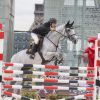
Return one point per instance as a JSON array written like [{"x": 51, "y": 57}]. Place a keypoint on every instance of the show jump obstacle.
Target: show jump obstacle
[{"x": 90, "y": 91}]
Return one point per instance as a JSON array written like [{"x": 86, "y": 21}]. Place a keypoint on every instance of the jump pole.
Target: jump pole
[
  {"x": 1, "y": 57},
  {"x": 95, "y": 65},
  {"x": 98, "y": 67}
]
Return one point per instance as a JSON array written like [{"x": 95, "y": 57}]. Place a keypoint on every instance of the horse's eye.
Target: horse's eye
[
  {"x": 68, "y": 29},
  {"x": 71, "y": 27}
]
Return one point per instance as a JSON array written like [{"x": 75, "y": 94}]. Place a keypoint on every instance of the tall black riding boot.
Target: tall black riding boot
[
  {"x": 34, "y": 50},
  {"x": 29, "y": 50}
]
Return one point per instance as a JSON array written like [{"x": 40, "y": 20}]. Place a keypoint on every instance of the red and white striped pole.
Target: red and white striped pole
[
  {"x": 1, "y": 56},
  {"x": 95, "y": 65},
  {"x": 98, "y": 68}
]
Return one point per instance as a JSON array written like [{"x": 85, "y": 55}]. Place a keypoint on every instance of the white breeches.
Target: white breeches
[{"x": 35, "y": 38}]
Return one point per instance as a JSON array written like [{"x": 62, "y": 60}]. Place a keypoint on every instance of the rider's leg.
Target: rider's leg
[
  {"x": 29, "y": 50},
  {"x": 35, "y": 38},
  {"x": 35, "y": 46}
]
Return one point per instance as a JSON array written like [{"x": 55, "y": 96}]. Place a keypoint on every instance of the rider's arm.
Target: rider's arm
[{"x": 42, "y": 30}]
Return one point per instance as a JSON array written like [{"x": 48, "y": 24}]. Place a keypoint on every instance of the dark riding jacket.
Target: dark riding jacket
[{"x": 42, "y": 29}]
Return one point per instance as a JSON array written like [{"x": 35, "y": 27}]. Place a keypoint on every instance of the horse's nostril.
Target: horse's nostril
[{"x": 75, "y": 41}]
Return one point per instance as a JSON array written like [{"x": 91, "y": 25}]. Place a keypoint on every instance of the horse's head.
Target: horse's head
[{"x": 70, "y": 33}]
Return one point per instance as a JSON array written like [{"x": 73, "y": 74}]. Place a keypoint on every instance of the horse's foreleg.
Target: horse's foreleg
[{"x": 56, "y": 54}]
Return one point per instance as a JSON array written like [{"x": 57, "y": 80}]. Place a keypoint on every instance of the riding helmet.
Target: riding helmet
[{"x": 52, "y": 20}]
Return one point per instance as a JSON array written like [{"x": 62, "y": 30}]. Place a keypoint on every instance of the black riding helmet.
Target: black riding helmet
[{"x": 52, "y": 20}]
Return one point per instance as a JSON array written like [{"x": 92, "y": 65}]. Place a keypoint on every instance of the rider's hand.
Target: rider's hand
[{"x": 52, "y": 29}]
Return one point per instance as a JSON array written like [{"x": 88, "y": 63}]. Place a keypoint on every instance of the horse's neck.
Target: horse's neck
[
  {"x": 51, "y": 40},
  {"x": 55, "y": 36}
]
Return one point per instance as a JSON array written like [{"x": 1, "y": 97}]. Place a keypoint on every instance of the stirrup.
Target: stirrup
[{"x": 32, "y": 56}]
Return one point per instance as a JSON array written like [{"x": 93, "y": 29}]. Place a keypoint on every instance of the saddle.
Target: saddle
[{"x": 35, "y": 48}]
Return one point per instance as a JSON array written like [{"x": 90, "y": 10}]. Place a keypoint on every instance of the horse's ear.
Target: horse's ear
[
  {"x": 68, "y": 23},
  {"x": 72, "y": 23}
]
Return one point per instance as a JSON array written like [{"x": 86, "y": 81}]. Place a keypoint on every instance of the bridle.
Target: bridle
[{"x": 69, "y": 36}]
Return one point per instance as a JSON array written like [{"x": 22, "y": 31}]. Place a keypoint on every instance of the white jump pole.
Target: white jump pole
[{"x": 1, "y": 58}]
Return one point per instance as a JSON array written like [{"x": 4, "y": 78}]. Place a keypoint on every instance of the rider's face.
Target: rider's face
[
  {"x": 90, "y": 44},
  {"x": 53, "y": 27}
]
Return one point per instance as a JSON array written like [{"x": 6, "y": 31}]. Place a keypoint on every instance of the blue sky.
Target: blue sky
[{"x": 24, "y": 13}]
